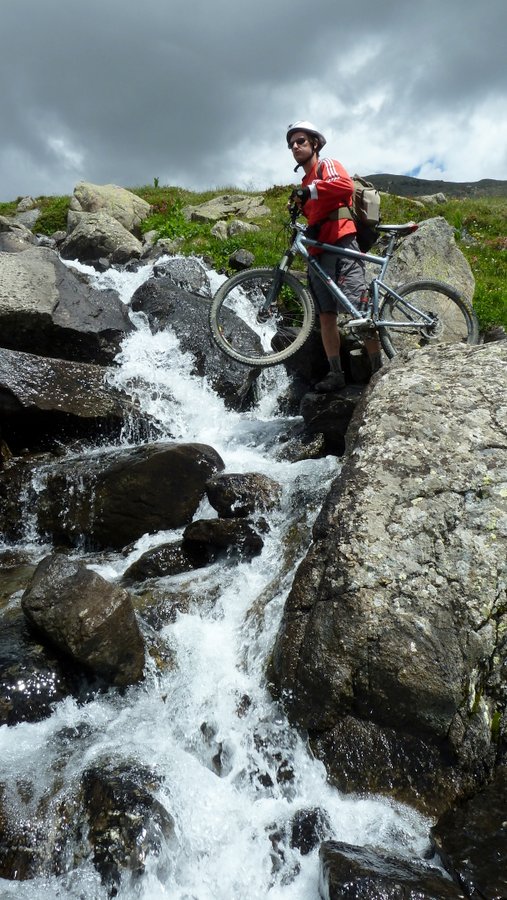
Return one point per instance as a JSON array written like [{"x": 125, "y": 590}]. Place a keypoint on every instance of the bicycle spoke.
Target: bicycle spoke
[
  {"x": 428, "y": 312},
  {"x": 255, "y": 326}
]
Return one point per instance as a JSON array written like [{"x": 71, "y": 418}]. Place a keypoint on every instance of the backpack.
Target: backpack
[{"x": 364, "y": 210}]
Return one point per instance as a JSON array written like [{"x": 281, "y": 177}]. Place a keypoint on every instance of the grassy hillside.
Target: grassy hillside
[{"x": 480, "y": 225}]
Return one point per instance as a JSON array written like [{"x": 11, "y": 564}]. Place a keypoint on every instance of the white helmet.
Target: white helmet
[{"x": 303, "y": 125}]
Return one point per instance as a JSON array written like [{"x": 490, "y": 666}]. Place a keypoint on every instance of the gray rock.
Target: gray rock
[
  {"x": 87, "y": 618},
  {"x": 397, "y": 617},
  {"x": 241, "y": 259},
  {"x": 125, "y": 207},
  {"x": 227, "y": 205},
  {"x": 431, "y": 252},
  {"x": 48, "y": 309},
  {"x": 97, "y": 235}
]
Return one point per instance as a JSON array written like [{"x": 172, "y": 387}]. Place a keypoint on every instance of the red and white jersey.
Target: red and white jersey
[{"x": 330, "y": 187}]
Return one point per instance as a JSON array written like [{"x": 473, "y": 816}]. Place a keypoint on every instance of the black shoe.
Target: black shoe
[{"x": 334, "y": 381}]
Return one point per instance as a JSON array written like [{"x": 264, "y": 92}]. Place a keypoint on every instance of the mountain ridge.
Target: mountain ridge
[{"x": 408, "y": 186}]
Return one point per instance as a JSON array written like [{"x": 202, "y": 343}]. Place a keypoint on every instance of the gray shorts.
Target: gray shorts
[{"x": 349, "y": 275}]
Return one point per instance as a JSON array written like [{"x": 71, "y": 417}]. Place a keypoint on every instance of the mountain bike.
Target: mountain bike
[{"x": 261, "y": 317}]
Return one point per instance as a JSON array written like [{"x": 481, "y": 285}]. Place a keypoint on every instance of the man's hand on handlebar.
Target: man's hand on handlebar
[{"x": 298, "y": 197}]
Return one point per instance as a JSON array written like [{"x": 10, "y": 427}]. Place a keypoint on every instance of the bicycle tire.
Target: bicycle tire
[
  {"x": 236, "y": 330},
  {"x": 455, "y": 320}
]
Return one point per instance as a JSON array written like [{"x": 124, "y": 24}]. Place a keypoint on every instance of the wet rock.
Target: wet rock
[
  {"x": 186, "y": 273},
  {"x": 206, "y": 539},
  {"x": 308, "y": 828},
  {"x": 50, "y": 310},
  {"x": 396, "y": 618},
  {"x": 330, "y": 415},
  {"x": 32, "y": 678},
  {"x": 159, "y": 562},
  {"x": 239, "y": 495},
  {"x": 86, "y": 618},
  {"x": 44, "y": 401},
  {"x": 472, "y": 840},
  {"x": 360, "y": 872},
  {"x": 112, "y": 498},
  {"x": 187, "y": 314},
  {"x": 127, "y": 825}
]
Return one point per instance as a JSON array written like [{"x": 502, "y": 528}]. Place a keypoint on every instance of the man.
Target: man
[{"x": 326, "y": 187}]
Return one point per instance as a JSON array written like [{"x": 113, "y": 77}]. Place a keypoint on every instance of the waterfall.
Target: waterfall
[{"x": 233, "y": 772}]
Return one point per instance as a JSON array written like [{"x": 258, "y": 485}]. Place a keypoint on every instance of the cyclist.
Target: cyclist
[{"x": 326, "y": 187}]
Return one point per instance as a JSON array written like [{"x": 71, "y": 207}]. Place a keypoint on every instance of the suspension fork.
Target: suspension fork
[{"x": 266, "y": 310}]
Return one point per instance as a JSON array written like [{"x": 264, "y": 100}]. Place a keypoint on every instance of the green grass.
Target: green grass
[{"x": 480, "y": 226}]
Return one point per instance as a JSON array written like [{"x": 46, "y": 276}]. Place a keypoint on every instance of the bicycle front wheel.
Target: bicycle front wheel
[
  {"x": 452, "y": 319},
  {"x": 248, "y": 330}
]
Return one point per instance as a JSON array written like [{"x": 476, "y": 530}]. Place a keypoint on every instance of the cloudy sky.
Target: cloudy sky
[{"x": 198, "y": 93}]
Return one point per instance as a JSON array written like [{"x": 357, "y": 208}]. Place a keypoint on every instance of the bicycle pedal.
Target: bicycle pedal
[{"x": 363, "y": 322}]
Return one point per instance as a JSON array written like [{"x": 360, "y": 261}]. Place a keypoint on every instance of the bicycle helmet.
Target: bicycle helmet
[{"x": 303, "y": 125}]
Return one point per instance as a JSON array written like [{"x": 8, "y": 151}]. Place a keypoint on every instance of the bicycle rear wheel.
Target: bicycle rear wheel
[
  {"x": 251, "y": 334},
  {"x": 452, "y": 318}
]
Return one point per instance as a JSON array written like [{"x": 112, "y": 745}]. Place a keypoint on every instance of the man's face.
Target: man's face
[{"x": 301, "y": 146}]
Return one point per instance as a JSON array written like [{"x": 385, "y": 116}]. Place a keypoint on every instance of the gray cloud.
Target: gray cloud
[{"x": 198, "y": 93}]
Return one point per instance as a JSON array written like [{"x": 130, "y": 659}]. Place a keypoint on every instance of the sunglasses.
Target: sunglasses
[{"x": 299, "y": 141}]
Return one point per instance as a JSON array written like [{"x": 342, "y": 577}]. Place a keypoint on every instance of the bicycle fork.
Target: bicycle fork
[{"x": 269, "y": 306}]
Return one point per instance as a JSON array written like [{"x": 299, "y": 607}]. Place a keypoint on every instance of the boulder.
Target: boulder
[
  {"x": 116, "y": 496},
  {"x": 472, "y": 840},
  {"x": 241, "y": 494},
  {"x": 207, "y": 539},
  {"x": 431, "y": 252},
  {"x": 98, "y": 236},
  {"x": 186, "y": 313},
  {"x": 241, "y": 259},
  {"x": 33, "y": 678},
  {"x": 159, "y": 562},
  {"x": 86, "y": 618},
  {"x": 127, "y": 827},
  {"x": 45, "y": 400},
  {"x": 391, "y": 647},
  {"x": 227, "y": 206},
  {"x": 187, "y": 273},
  {"x": 14, "y": 237},
  {"x": 351, "y": 873},
  {"x": 330, "y": 415},
  {"x": 125, "y": 207},
  {"x": 49, "y": 309}
]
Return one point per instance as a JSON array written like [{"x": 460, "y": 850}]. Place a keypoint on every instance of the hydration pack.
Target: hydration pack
[{"x": 364, "y": 210}]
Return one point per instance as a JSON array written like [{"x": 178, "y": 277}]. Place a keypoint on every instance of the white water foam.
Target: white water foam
[{"x": 208, "y": 726}]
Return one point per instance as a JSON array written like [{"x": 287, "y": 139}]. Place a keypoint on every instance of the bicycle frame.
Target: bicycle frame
[{"x": 299, "y": 247}]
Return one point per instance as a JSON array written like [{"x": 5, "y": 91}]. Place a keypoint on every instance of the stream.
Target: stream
[{"x": 233, "y": 772}]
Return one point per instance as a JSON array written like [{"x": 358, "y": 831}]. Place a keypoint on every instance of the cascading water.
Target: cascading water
[{"x": 233, "y": 773}]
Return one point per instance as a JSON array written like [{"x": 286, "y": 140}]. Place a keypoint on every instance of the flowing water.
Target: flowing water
[{"x": 233, "y": 772}]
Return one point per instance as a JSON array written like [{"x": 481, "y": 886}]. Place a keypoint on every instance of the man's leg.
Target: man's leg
[{"x": 331, "y": 343}]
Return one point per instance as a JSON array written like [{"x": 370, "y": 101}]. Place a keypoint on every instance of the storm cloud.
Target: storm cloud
[{"x": 199, "y": 93}]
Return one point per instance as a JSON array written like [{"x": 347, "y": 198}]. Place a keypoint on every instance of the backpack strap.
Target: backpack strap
[{"x": 342, "y": 212}]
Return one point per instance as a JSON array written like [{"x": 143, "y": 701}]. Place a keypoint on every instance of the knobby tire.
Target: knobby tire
[{"x": 455, "y": 320}]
